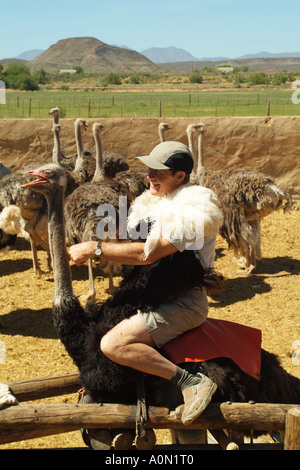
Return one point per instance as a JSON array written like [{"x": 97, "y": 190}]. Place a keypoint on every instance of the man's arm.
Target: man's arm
[{"x": 121, "y": 253}]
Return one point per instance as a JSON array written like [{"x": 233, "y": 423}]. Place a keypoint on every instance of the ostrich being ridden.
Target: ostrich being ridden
[{"x": 143, "y": 288}]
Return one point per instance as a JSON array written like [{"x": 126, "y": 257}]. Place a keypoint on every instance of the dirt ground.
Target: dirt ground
[{"x": 268, "y": 300}]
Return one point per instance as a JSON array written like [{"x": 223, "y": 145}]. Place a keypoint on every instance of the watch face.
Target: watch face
[{"x": 98, "y": 251}]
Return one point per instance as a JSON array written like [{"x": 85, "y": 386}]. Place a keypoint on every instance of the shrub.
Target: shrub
[
  {"x": 258, "y": 78},
  {"x": 134, "y": 79},
  {"x": 196, "y": 77},
  {"x": 112, "y": 79},
  {"x": 17, "y": 76},
  {"x": 280, "y": 78}
]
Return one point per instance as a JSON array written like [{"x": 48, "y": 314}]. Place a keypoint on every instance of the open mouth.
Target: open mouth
[
  {"x": 40, "y": 179},
  {"x": 155, "y": 185}
]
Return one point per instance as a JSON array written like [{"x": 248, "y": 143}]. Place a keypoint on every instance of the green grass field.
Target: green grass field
[{"x": 102, "y": 104}]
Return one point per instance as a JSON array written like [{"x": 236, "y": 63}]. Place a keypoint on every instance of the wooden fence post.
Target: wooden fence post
[{"x": 292, "y": 429}]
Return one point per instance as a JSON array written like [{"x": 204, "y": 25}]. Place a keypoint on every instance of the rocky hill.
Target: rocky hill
[{"x": 93, "y": 56}]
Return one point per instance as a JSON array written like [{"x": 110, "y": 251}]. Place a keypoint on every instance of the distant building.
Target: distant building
[
  {"x": 71, "y": 71},
  {"x": 225, "y": 68}
]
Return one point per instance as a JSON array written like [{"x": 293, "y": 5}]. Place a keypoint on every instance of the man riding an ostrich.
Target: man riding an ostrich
[{"x": 181, "y": 217}]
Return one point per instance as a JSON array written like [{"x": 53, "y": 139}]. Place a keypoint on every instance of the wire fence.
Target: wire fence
[{"x": 95, "y": 105}]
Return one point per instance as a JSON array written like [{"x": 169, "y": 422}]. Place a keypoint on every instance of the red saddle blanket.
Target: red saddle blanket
[{"x": 218, "y": 338}]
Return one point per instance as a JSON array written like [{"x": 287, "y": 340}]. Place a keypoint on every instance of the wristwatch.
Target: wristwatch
[{"x": 98, "y": 249}]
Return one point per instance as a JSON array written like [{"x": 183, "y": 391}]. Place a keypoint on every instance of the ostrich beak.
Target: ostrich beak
[{"x": 41, "y": 179}]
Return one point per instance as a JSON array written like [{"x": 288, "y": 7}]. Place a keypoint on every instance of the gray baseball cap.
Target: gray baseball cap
[{"x": 169, "y": 155}]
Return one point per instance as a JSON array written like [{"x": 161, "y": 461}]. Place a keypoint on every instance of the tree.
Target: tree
[
  {"x": 134, "y": 79},
  {"x": 258, "y": 78},
  {"x": 112, "y": 79},
  {"x": 18, "y": 77},
  {"x": 78, "y": 69},
  {"x": 41, "y": 76},
  {"x": 196, "y": 77},
  {"x": 280, "y": 78}
]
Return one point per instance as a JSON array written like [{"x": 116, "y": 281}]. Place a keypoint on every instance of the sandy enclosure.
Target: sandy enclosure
[{"x": 269, "y": 300}]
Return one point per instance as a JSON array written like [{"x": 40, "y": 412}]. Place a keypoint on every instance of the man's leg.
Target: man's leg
[{"x": 130, "y": 344}]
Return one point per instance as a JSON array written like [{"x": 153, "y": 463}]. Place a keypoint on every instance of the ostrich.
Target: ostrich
[
  {"x": 81, "y": 331},
  {"x": 246, "y": 197},
  {"x": 162, "y": 127},
  {"x": 28, "y": 206},
  {"x": 81, "y": 165},
  {"x": 31, "y": 205},
  {"x": 84, "y": 159},
  {"x": 24, "y": 211},
  {"x": 235, "y": 229},
  {"x": 81, "y": 210}
]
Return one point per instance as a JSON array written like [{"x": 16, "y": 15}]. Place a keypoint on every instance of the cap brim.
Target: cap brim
[{"x": 152, "y": 163}]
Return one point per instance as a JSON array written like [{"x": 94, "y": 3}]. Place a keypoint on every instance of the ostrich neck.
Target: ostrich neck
[
  {"x": 200, "y": 166},
  {"x": 79, "y": 145},
  {"x": 161, "y": 135},
  {"x": 56, "y": 148},
  {"x": 99, "y": 174},
  {"x": 192, "y": 150},
  {"x": 61, "y": 268}
]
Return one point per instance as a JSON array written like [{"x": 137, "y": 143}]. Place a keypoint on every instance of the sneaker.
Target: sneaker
[{"x": 196, "y": 398}]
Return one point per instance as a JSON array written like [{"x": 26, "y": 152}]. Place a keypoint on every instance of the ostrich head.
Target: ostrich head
[
  {"x": 200, "y": 127},
  {"x": 54, "y": 112},
  {"x": 48, "y": 178},
  {"x": 81, "y": 123},
  {"x": 164, "y": 126},
  {"x": 195, "y": 128},
  {"x": 97, "y": 126}
]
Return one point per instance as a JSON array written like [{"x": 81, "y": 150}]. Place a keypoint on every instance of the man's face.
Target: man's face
[{"x": 163, "y": 182}]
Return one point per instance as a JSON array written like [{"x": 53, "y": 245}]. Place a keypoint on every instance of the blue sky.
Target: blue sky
[{"x": 205, "y": 28}]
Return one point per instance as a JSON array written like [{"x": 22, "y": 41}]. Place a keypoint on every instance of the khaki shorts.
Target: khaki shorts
[{"x": 172, "y": 319}]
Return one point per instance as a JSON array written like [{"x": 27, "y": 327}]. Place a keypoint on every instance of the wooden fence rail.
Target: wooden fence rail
[
  {"x": 28, "y": 421},
  {"x": 44, "y": 387}
]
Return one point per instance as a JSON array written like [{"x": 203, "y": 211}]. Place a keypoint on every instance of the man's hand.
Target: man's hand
[
  {"x": 121, "y": 253},
  {"x": 81, "y": 252}
]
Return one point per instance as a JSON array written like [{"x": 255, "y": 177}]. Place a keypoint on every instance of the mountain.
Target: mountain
[
  {"x": 160, "y": 55},
  {"x": 165, "y": 55},
  {"x": 214, "y": 59},
  {"x": 93, "y": 56},
  {"x": 269, "y": 55},
  {"x": 30, "y": 55}
]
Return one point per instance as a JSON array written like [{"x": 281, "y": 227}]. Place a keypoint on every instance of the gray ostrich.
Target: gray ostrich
[{"x": 245, "y": 198}]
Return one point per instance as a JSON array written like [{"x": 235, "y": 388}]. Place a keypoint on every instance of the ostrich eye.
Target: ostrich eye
[{"x": 49, "y": 173}]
